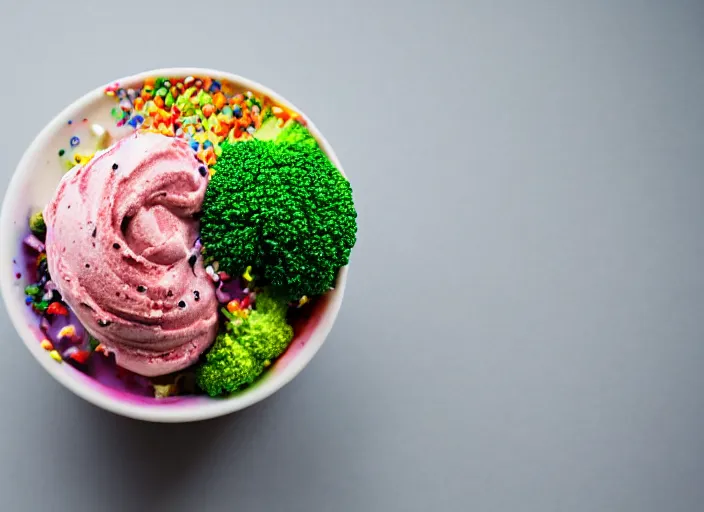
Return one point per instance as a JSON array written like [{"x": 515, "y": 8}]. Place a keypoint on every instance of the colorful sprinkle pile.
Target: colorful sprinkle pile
[{"x": 203, "y": 111}]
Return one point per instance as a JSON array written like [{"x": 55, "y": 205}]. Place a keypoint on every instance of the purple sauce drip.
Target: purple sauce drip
[
  {"x": 103, "y": 369},
  {"x": 233, "y": 288}
]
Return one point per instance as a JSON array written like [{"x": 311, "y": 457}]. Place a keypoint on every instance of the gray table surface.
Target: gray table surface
[{"x": 523, "y": 327}]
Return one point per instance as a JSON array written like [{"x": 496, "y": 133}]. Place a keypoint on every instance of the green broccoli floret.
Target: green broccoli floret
[
  {"x": 295, "y": 133},
  {"x": 228, "y": 366},
  {"x": 284, "y": 210},
  {"x": 239, "y": 356},
  {"x": 266, "y": 334},
  {"x": 37, "y": 225}
]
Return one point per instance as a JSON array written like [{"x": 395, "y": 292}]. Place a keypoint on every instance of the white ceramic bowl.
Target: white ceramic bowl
[{"x": 30, "y": 189}]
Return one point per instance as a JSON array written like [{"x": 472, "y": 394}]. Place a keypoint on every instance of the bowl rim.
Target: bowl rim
[{"x": 168, "y": 412}]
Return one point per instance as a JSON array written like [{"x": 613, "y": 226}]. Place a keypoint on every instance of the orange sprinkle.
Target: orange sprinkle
[
  {"x": 245, "y": 120},
  {"x": 150, "y": 81},
  {"x": 219, "y": 100},
  {"x": 284, "y": 116},
  {"x": 233, "y": 305},
  {"x": 81, "y": 356},
  {"x": 46, "y": 345},
  {"x": 159, "y": 101},
  {"x": 208, "y": 110},
  {"x": 139, "y": 103}
]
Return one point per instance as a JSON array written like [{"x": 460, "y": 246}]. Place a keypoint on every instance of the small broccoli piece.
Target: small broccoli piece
[
  {"x": 238, "y": 357},
  {"x": 287, "y": 211},
  {"x": 37, "y": 225},
  {"x": 228, "y": 366},
  {"x": 269, "y": 129},
  {"x": 266, "y": 333},
  {"x": 295, "y": 133}
]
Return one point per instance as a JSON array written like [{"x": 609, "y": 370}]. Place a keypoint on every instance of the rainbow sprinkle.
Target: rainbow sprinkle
[{"x": 202, "y": 111}]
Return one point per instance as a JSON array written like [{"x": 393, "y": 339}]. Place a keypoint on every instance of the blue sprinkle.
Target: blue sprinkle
[
  {"x": 215, "y": 87},
  {"x": 70, "y": 122},
  {"x": 28, "y": 300},
  {"x": 136, "y": 121},
  {"x": 194, "y": 145},
  {"x": 75, "y": 141},
  {"x": 237, "y": 111},
  {"x": 207, "y": 144}
]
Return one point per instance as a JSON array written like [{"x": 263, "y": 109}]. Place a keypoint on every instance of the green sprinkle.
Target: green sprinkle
[
  {"x": 42, "y": 306},
  {"x": 61, "y": 152},
  {"x": 204, "y": 98},
  {"x": 169, "y": 100},
  {"x": 32, "y": 290}
]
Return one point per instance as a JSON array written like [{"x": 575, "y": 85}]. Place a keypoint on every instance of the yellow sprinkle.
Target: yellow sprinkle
[
  {"x": 67, "y": 332},
  {"x": 201, "y": 137},
  {"x": 302, "y": 301},
  {"x": 82, "y": 159},
  {"x": 267, "y": 363},
  {"x": 247, "y": 274},
  {"x": 55, "y": 356},
  {"x": 212, "y": 171},
  {"x": 164, "y": 390},
  {"x": 46, "y": 345}
]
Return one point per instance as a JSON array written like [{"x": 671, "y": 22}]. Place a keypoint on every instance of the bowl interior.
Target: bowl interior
[{"x": 32, "y": 187}]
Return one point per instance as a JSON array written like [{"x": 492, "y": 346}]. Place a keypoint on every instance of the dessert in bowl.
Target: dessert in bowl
[{"x": 175, "y": 244}]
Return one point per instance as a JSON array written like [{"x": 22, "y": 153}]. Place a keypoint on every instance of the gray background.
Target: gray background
[{"x": 523, "y": 324}]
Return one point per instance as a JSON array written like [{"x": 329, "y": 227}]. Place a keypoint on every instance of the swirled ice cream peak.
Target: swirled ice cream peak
[{"x": 121, "y": 232}]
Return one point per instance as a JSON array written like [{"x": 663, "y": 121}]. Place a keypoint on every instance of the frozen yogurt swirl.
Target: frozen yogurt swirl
[{"x": 121, "y": 232}]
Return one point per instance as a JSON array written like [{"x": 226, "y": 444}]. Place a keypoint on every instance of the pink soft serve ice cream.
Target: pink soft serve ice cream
[{"x": 120, "y": 245}]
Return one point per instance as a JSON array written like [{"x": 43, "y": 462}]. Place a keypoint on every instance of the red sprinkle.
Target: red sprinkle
[
  {"x": 245, "y": 302},
  {"x": 81, "y": 356},
  {"x": 224, "y": 276},
  {"x": 18, "y": 275},
  {"x": 56, "y": 308}
]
